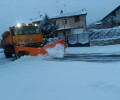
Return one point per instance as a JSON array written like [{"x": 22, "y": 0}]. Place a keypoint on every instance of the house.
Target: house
[
  {"x": 112, "y": 19},
  {"x": 70, "y": 23}
]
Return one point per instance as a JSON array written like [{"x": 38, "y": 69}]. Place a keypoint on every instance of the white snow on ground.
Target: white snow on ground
[
  {"x": 56, "y": 52},
  {"x": 4, "y": 60},
  {"x": 32, "y": 78}
]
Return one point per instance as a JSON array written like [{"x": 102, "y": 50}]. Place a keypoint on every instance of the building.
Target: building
[
  {"x": 112, "y": 19},
  {"x": 70, "y": 23}
]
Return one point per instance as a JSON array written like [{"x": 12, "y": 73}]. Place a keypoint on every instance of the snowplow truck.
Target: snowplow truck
[
  {"x": 21, "y": 35},
  {"x": 26, "y": 40}
]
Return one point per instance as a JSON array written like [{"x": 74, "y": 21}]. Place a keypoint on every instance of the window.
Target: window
[
  {"x": 13, "y": 31},
  {"x": 117, "y": 12},
  {"x": 54, "y": 22},
  {"x": 26, "y": 30},
  {"x": 64, "y": 21},
  {"x": 77, "y": 18}
]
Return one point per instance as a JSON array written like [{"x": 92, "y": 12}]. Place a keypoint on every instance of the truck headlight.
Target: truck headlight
[
  {"x": 19, "y": 25},
  {"x": 36, "y": 25}
]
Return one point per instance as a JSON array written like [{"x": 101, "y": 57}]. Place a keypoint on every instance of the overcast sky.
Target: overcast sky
[{"x": 13, "y": 11}]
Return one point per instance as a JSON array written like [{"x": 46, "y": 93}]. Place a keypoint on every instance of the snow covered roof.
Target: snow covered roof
[
  {"x": 38, "y": 20},
  {"x": 70, "y": 14}
]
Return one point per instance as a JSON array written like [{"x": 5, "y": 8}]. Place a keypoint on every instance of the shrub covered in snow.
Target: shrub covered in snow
[{"x": 105, "y": 35}]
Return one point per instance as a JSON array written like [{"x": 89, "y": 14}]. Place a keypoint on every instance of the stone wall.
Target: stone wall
[
  {"x": 105, "y": 42},
  {"x": 101, "y": 37}
]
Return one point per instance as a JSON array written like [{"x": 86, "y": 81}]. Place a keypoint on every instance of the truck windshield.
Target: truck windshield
[{"x": 26, "y": 30}]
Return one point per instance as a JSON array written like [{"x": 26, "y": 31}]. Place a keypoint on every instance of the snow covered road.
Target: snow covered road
[
  {"x": 100, "y": 54},
  {"x": 36, "y": 78},
  {"x": 95, "y": 57},
  {"x": 86, "y": 57},
  {"x": 30, "y": 78}
]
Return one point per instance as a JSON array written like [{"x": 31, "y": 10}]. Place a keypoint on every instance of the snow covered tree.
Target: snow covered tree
[{"x": 48, "y": 28}]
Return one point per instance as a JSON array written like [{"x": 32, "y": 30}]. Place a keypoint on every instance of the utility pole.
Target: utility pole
[
  {"x": 65, "y": 7},
  {"x": 64, "y": 21},
  {"x": 57, "y": 6},
  {"x": 40, "y": 15}
]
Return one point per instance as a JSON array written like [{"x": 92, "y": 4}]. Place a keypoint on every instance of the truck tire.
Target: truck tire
[
  {"x": 8, "y": 55},
  {"x": 21, "y": 53}
]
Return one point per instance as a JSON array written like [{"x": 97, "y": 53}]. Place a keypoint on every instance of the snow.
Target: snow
[
  {"x": 56, "y": 52},
  {"x": 34, "y": 78},
  {"x": 115, "y": 49},
  {"x": 3, "y": 60},
  {"x": 105, "y": 34},
  {"x": 81, "y": 12}
]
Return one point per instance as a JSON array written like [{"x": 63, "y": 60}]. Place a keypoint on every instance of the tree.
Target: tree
[{"x": 48, "y": 28}]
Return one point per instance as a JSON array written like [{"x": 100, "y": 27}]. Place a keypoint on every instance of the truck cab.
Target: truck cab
[{"x": 27, "y": 35}]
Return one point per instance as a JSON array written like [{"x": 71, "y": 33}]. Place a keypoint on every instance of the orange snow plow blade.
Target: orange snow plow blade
[{"x": 22, "y": 50}]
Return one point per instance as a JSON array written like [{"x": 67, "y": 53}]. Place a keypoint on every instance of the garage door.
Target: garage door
[{"x": 77, "y": 30}]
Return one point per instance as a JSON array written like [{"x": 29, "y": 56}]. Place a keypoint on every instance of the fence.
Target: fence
[{"x": 78, "y": 40}]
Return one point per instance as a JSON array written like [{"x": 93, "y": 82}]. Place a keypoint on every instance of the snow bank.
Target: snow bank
[
  {"x": 31, "y": 58},
  {"x": 56, "y": 52}
]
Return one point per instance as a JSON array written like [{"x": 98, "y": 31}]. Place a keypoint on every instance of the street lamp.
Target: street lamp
[
  {"x": 64, "y": 22},
  {"x": 66, "y": 38}
]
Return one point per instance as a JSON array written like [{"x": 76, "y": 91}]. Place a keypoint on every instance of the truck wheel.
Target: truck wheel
[
  {"x": 21, "y": 53},
  {"x": 8, "y": 55}
]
